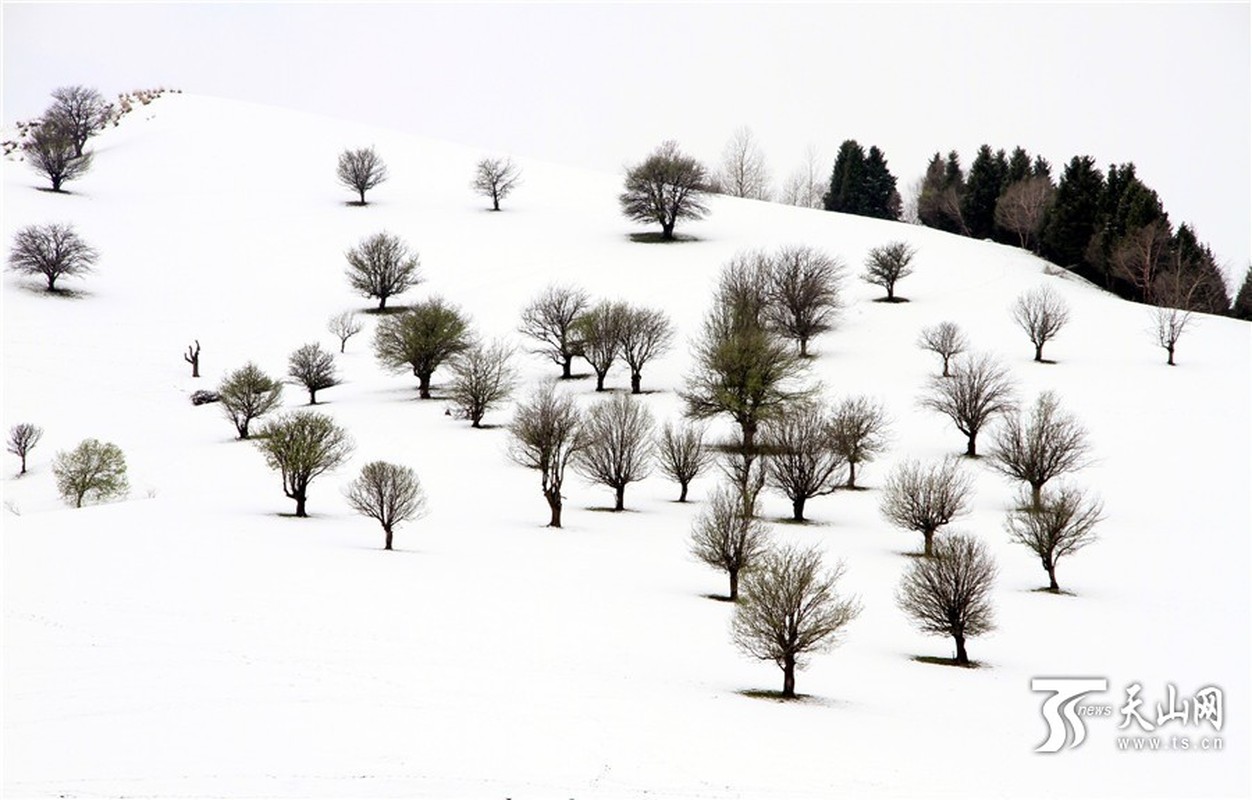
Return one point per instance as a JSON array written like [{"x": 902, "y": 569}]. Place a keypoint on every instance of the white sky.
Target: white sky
[{"x": 1165, "y": 86}]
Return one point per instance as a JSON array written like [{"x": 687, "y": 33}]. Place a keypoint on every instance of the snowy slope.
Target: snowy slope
[{"x": 193, "y": 640}]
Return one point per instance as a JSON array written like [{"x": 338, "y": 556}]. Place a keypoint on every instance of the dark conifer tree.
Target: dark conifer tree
[
  {"x": 1072, "y": 222},
  {"x": 982, "y": 189},
  {"x": 1019, "y": 166},
  {"x": 1243, "y": 301},
  {"x": 847, "y": 180},
  {"x": 881, "y": 199}
]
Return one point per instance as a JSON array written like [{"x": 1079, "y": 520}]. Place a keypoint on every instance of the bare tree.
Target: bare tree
[
  {"x": 743, "y": 371},
  {"x": 924, "y": 499},
  {"x": 803, "y": 293},
  {"x": 950, "y": 594},
  {"x": 1140, "y": 255},
  {"x": 246, "y": 394},
  {"x": 804, "y": 186},
  {"x": 549, "y": 319},
  {"x": 421, "y": 339},
  {"x": 644, "y": 334},
  {"x": 728, "y": 536},
  {"x": 619, "y": 447},
  {"x": 302, "y": 446},
  {"x": 483, "y": 377},
  {"x": 1023, "y": 207},
  {"x": 388, "y": 493},
  {"x": 743, "y": 172},
  {"x": 858, "y": 433},
  {"x": 744, "y": 287},
  {"x": 547, "y": 434},
  {"x": 51, "y": 152},
  {"x": 599, "y": 334},
  {"x": 361, "y": 170},
  {"x": 313, "y": 368},
  {"x": 382, "y": 266},
  {"x": 93, "y": 468},
  {"x": 945, "y": 340},
  {"x": 53, "y": 251},
  {"x": 24, "y": 436},
  {"x": 1174, "y": 297},
  {"x": 496, "y": 178},
  {"x": 1040, "y": 447},
  {"x": 1041, "y": 313},
  {"x": 802, "y": 463},
  {"x": 791, "y": 608},
  {"x": 192, "y": 357},
  {"x": 978, "y": 390},
  {"x": 682, "y": 454},
  {"x": 746, "y": 472},
  {"x": 78, "y": 112},
  {"x": 666, "y": 187},
  {"x": 344, "y": 326},
  {"x": 1055, "y": 525},
  {"x": 888, "y": 264}
]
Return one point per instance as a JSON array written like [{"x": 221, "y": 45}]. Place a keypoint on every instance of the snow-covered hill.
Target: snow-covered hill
[{"x": 193, "y": 640}]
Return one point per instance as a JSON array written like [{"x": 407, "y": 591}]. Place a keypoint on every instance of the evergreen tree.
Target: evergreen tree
[
  {"x": 986, "y": 180},
  {"x": 1243, "y": 301},
  {"x": 881, "y": 199},
  {"x": 1197, "y": 266},
  {"x": 1018, "y": 167},
  {"x": 939, "y": 204},
  {"x": 1075, "y": 211},
  {"x": 846, "y": 180},
  {"x": 1041, "y": 168}
]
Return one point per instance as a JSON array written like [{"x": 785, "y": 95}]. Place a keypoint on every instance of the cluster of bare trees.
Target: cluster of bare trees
[{"x": 565, "y": 325}]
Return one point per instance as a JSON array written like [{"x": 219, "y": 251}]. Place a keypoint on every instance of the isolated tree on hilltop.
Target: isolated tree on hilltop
[
  {"x": 1041, "y": 313},
  {"x": 302, "y": 446},
  {"x": 743, "y": 172},
  {"x": 950, "y": 594},
  {"x": 495, "y": 178},
  {"x": 803, "y": 293},
  {"x": 483, "y": 377},
  {"x": 728, "y": 536},
  {"x": 79, "y": 112},
  {"x": 924, "y": 499},
  {"x": 246, "y": 394},
  {"x": 1035, "y": 449},
  {"x": 1054, "y": 525},
  {"x": 791, "y": 607},
  {"x": 51, "y": 152},
  {"x": 546, "y": 435},
  {"x": 978, "y": 390},
  {"x": 666, "y": 187},
  {"x": 22, "y": 439},
  {"x": 313, "y": 368},
  {"x": 887, "y": 265},
  {"x": 388, "y": 493},
  {"x": 549, "y": 319},
  {"x": 53, "y": 251},
  {"x": 361, "y": 170},
  {"x": 857, "y": 431},
  {"x": 92, "y": 469},
  {"x": 382, "y": 266},
  {"x": 422, "y": 338},
  {"x": 643, "y": 334},
  {"x": 944, "y": 340},
  {"x": 618, "y": 452},
  {"x": 682, "y": 454}
]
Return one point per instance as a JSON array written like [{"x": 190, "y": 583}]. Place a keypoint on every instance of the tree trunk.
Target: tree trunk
[
  {"x": 300, "y": 505},
  {"x": 851, "y": 484},
  {"x": 734, "y": 584},
  {"x": 342, "y": 344},
  {"x": 423, "y": 386},
  {"x": 312, "y": 397},
  {"x": 1036, "y": 496},
  {"x": 56, "y": 183},
  {"x": 891, "y": 292},
  {"x": 495, "y": 202},
  {"x": 1052, "y": 584},
  {"x": 804, "y": 347},
  {"x": 945, "y": 367},
  {"x": 619, "y": 498},
  {"x": 23, "y": 472},
  {"x": 387, "y": 532},
  {"x": 667, "y": 232},
  {"x": 600, "y": 380},
  {"x": 971, "y": 448},
  {"x": 962, "y": 657},
  {"x": 52, "y": 287},
  {"x": 789, "y": 676},
  {"x": 928, "y": 537},
  {"x": 1170, "y": 349},
  {"x": 749, "y": 436},
  {"x": 1038, "y": 352},
  {"x": 554, "y": 504},
  {"x": 566, "y": 365},
  {"x": 636, "y": 381},
  {"x": 682, "y": 495},
  {"x": 382, "y": 302},
  {"x": 362, "y": 191},
  {"x": 797, "y": 509}
]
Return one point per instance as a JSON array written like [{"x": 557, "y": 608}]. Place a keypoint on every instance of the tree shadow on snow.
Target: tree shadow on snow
[
  {"x": 891, "y": 300},
  {"x": 947, "y": 662},
  {"x": 653, "y": 237}
]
